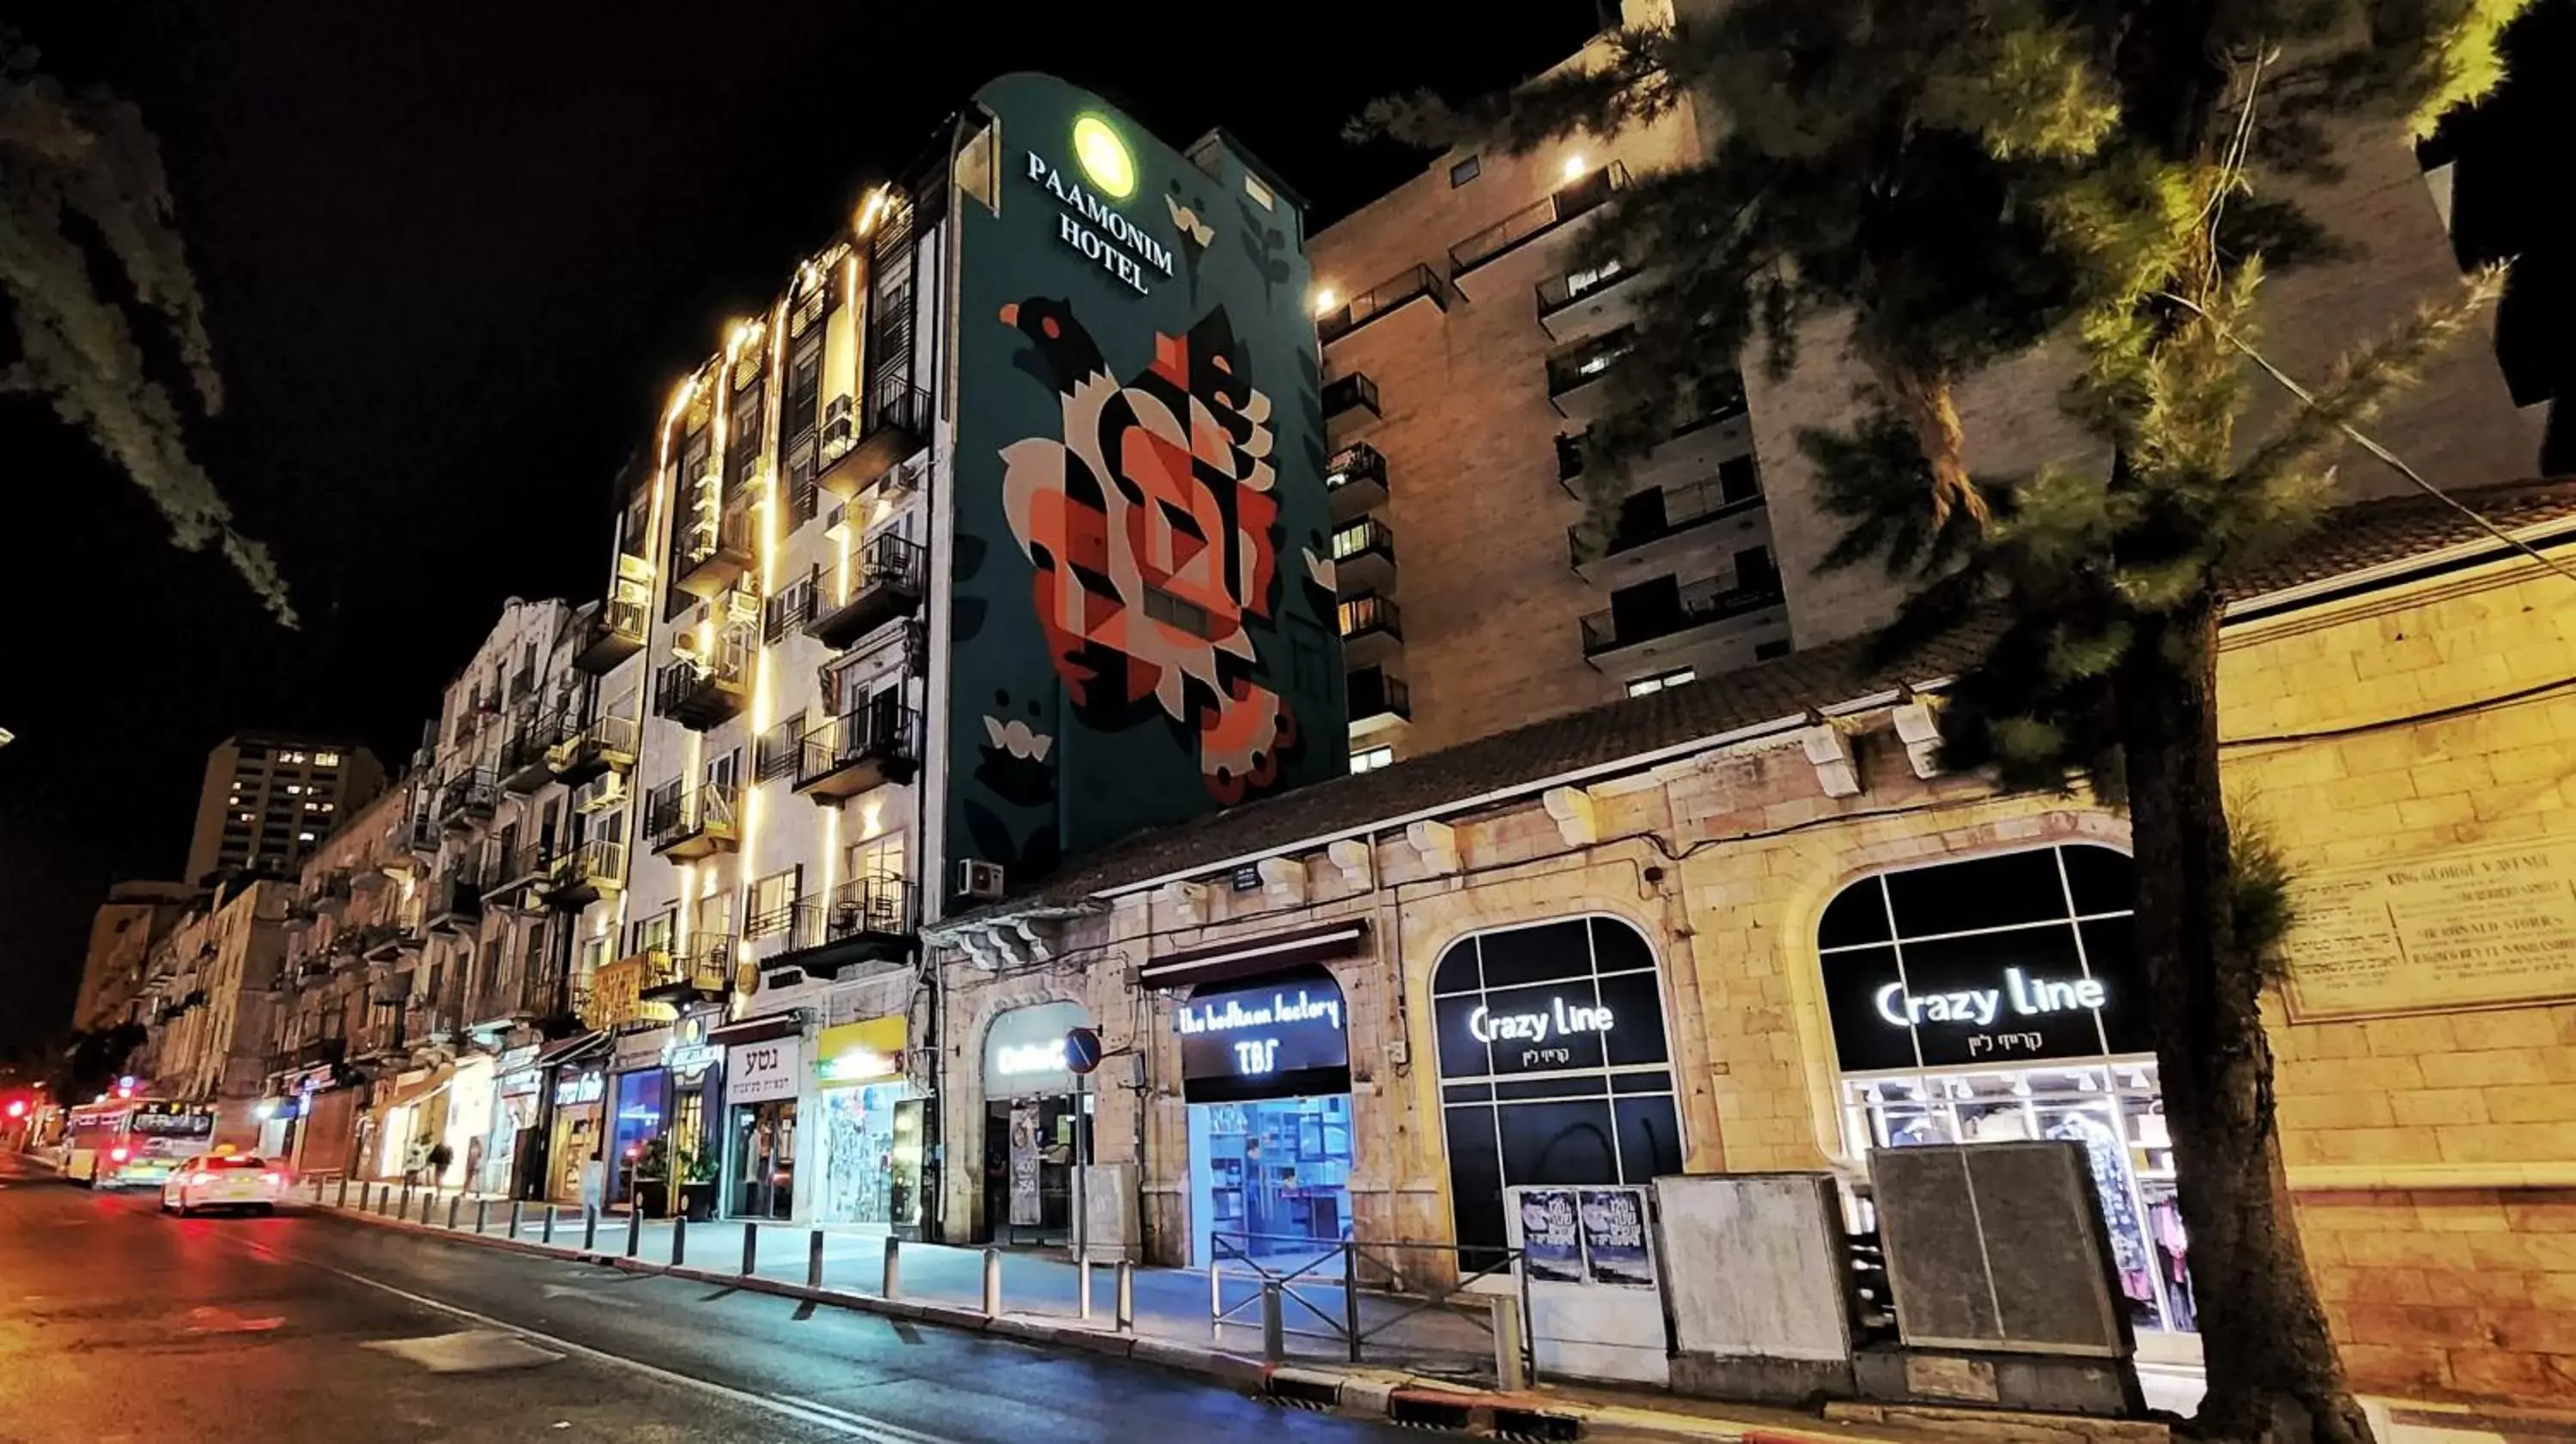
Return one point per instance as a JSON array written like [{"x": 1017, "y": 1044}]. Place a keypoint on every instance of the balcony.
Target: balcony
[
  {"x": 1700, "y": 613},
  {"x": 1413, "y": 283},
  {"x": 1354, "y": 480},
  {"x": 704, "y": 692},
  {"x": 1580, "y": 196},
  {"x": 1372, "y": 630},
  {"x": 869, "y": 919},
  {"x": 525, "y": 765},
  {"x": 455, "y": 901},
  {"x": 1377, "y": 698},
  {"x": 607, "y": 744},
  {"x": 617, "y": 630},
  {"x": 583, "y": 876},
  {"x": 465, "y": 803},
  {"x": 1657, "y": 525},
  {"x": 693, "y": 824},
  {"x": 515, "y": 870},
  {"x": 882, "y": 582},
  {"x": 1363, "y": 557},
  {"x": 1347, "y": 393},
  {"x": 385, "y": 946},
  {"x": 321, "y": 1052},
  {"x": 1589, "y": 300},
  {"x": 705, "y": 973},
  {"x": 299, "y": 915},
  {"x": 1574, "y": 375},
  {"x": 714, "y": 548},
  {"x": 865, "y": 749},
  {"x": 893, "y": 423}
]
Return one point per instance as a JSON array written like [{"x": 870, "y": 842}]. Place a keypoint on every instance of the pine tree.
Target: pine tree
[
  {"x": 81, "y": 179},
  {"x": 1959, "y": 180}
]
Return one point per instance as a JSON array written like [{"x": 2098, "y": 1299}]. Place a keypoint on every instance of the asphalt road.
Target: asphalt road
[{"x": 118, "y": 1324}]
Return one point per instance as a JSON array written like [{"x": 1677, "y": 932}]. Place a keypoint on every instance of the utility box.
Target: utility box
[{"x": 1757, "y": 1286}]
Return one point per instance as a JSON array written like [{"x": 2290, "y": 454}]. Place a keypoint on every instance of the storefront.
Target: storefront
[
  {"x": 1998, "y": 998},
  {"x": 469, "y": 1120},
  {"x": 872, "y": 1131},
  {"x": 1032, "y": 1112},
  {"x": 410, "y": 1118},
  {"x": 691, "y": 1158},
  {"x": 513, "y": 1152},
  {"x": 639, "y": 1110},
  {"x": 329, "y": 1129},
  {"x": 1266, "y": 1071},
  {"x": 576, "y": 1159},
  {"x": 280, "y": 1116},
  {"x": 763, "y": 1076},
  {"x": 1555, "y": 1066}
]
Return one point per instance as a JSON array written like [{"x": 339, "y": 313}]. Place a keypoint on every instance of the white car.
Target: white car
[{"x": 224, "y": 1180}]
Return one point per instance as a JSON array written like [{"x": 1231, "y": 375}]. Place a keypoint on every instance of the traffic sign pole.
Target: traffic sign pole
[{"x": 1081, "y": 1055}]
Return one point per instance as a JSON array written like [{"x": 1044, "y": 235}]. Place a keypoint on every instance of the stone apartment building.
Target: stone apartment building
[
  {"x": 1464, "y": 353},
  {"x": 122, "y": 935},
  {"x": 213, "y": 982}
]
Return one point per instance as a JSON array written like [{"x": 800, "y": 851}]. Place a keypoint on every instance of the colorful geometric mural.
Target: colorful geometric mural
[
  {"x": 1154, "y": 537},
  {"x": 1138, "y": 446}
]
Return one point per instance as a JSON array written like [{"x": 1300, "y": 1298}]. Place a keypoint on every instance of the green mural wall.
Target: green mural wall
[{"x": 1138, "y": 637}]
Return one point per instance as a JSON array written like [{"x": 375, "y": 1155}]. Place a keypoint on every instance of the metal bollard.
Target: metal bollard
[
  {"x": 750, "y": 1248},
  {"x": 1274, "y": 1329},
  {"x": 890, "y": 1283},
  {"x": 364, "y": 1189},
  {"x": 589, "y": 1227},
  {"x": 1216, "y": 1301},
  {"x": 482, "y": 1208},
  {"x": 514, "y": 1218},
  {"x": 344, "y": 1191},
  {"x": 679, "y": 1240},
  {"x": 992, "y": 1283},
  {"x": 814, "y": 1259},
  {"x": 546, "y": 1228},
  {"x": 428, "y": 1201},
  {"x": 634, "y": 1228},
  {"x": 1126, "y": 1297},
  {"x": 454, "y": 1202},
  {"x": 1082, "y": 1286},
  {"x": 1510, "y": 1372},
  {"x": 402, "y": 1208}
]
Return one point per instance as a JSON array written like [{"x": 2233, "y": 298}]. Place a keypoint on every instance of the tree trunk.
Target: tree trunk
[{"x": 2273, "y": 1371}]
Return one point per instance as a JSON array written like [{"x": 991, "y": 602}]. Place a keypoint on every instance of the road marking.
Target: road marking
[
  {"x": 467, "y": 1351},
  {"x": 805, "y": 1411},
  {"x": 588, "y": 1296}
]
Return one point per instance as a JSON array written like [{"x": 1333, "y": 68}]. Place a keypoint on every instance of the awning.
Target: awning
[
  {"x": 405, "y": 1096},
  {"x": 1252, "y": 957},
  {"x": 757, "y": 1030},
  {"x": 570, "y": 1050}
]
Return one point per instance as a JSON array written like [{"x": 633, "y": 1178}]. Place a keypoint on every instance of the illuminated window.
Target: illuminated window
[
  {"x": 1644, "y": 686},
  {"x": 303, "y": 837},
  {"x": 1260, "y": 194},
  {"x": 1370, "y": 759},
  {"x": 326, "y": 759},
  {"x": 249, "y": 817},
  {"x": 292, "y": 789}
]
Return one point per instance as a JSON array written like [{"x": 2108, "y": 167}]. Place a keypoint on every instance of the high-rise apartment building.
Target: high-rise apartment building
[
  {"x": 1466, "y": 352},
  {"x": 269, "y": 797}
]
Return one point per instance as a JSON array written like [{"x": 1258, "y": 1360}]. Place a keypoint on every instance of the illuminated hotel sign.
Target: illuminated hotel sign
[
  {"x": 1280, "y": 1038},
  {"x": 1088, "y": 223}
]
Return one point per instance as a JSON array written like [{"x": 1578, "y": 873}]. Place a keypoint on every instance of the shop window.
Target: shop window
[
  {"x": 1554, "y": 1066},
  {"x": 1999, "y": 998},
  {"x": 1370, "y": 759}
]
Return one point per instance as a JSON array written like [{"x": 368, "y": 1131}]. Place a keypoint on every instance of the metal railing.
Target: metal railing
[
  {"x": 1558, "y": 292},
  {"x": 1372, "y": 1294},
  {"x": 879, "y": 731},
  {"x": 706, "y": 966},
  {"x": 466, "y": 796},
  {"x": 1344, "y": 392},
  {"x": 1714, "y": 600},
  {"x": 1584, "y": 193},
  {"x": 1355, "y": 463},
  {"x": 860, "y": 907},
  {"x": 1412, "y": 283},
  {"x": 1685, "y": 507},
  {"x": 1590, "y": 361},
  {"x": 1373, "y": 692},
  {"x": 674, "y": 817},
  {"x": 894, "y": 402},
  {"x": 1370, "y": 612},
  {"x": 1368, "y": 534}
]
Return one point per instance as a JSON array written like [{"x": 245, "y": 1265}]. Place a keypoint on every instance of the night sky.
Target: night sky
[{"x": 454, "y": 255}]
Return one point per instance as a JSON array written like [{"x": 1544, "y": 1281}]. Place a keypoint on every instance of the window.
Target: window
[
  {"x": 1371, "y": 759},
  {"x": 773, "y": 904},
  {"x": 1465, "y": 171},
  {"x": 326, "y": 759},
  {"x": 303, "y": 837},
  {"x": 1170, "y": 610},
  {"x": 1647, "y": 686},
  {"x": 294, "y": 790},
  {"x": 653, "y": 934},
  {"x": 1261, "y": 195},
  {"x": 878, "y": 859}
]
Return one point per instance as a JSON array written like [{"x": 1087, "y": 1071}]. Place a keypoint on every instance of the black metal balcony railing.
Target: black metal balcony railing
[
  {"x": 1362, "y": 537},
  {"x": 693, "y": 823},
  {"x": 699, "y": 692},
  {"x": 1344, "y": 393},
  {"x": 1588, "y": 362},
  {"x": 455, "y": 899},
  {"x": 705, "y": 969},
  {"x": 1558, "y": 292},
  {"x": 605, "y": 744},
  {"x": 1685, "y": 508},
  {"x": 777, "y": 752},
  {"x": 865, "y": 748},
  {"x": 1415, "y": 282},
  {"x": 893, "y": 422},
  {"x": 1356, "y": 472},
  {"x": 1581, "y": 195},
  {"x": 880, "y": 582},
  {"x": 585, "y": 874},
  {"x": 714, "y": 550},
  {"x": 1715, "y": 600},
  {"x": 791, "y": 609},
  {"x": 525, "y": 753},
  {"x": 465, "y": 802},
  {"x": 1369, "y": 612},
  {"x": 617, "y": 630},
  {"x": 1372, "y": 693},
  {"x": 863, "y": 914}
]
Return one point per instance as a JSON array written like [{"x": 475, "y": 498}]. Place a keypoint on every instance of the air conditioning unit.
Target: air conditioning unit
[{"x": 979, "y": 879}]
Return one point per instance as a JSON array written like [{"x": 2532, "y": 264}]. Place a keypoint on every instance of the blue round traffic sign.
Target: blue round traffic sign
[{"x": 1081, "y": 1050}]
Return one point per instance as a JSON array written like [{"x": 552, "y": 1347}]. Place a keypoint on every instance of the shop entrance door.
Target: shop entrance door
[{"x": 764, "y": 1160}]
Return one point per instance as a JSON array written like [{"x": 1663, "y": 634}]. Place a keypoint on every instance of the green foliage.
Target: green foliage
[
  {"x": 2259, "y": 897},
  {"x": 80, "y": 174}
]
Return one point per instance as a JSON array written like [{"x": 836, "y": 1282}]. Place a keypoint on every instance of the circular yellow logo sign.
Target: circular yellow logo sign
[{"x": 1104, "y": 157}]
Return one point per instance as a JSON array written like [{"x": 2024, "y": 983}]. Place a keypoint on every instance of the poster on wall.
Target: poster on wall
[
  {"x": 1551, "y": 1244},
  {"x": 2463, "y": 928},
  {"x": 1614, "y": 1237},
  {"x": 1027, "y": 1211}
]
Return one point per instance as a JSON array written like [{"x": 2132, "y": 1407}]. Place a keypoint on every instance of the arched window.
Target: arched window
[{"x": 1554, "y": 1065}]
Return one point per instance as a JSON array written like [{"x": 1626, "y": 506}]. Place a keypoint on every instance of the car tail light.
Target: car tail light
[{"x": 119, "y": 1155}]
